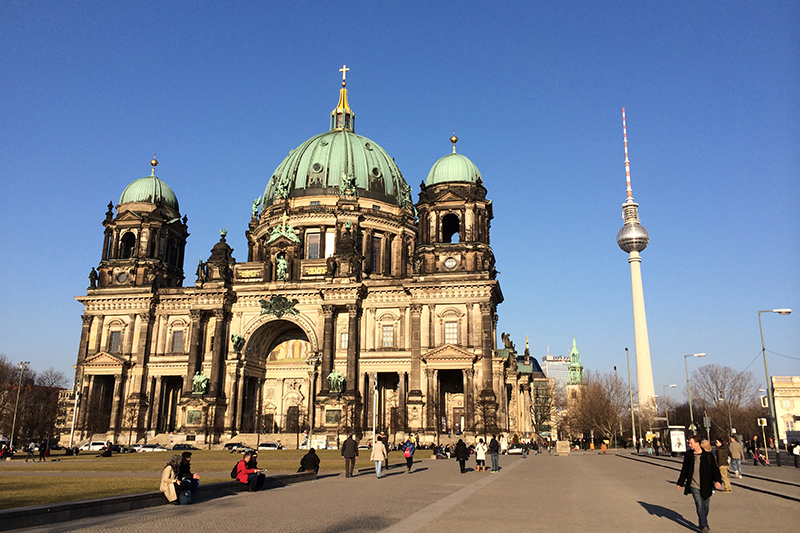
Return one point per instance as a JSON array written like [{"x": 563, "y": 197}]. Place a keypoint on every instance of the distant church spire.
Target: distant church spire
[{"x": 575, "y": 367}]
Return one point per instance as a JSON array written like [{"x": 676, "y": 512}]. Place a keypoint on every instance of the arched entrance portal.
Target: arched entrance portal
[{"x": 277, "y": 388}]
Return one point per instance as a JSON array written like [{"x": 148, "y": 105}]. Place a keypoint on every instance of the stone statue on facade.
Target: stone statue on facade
[
  {"x": 93, "y": 279},
  {"x": 256, "y": 203},
  {"x": 238, "y": 343},
  {"x": 199, "y": 383},
  {"x": 335, "y": 381},
  {"x": 201, "y": 271},
  {"x": 281, "y": 266},
  {"x": 507, "y": 341}
]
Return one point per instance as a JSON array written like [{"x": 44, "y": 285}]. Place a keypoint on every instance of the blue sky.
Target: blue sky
[{"x": 534, "y": 90}]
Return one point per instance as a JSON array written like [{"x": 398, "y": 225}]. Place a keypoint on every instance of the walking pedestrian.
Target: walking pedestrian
[
  {"x": 30, "y": 449},
  {"x": 408, "y": 452},
  {"x": 723, "y": 453},
  {"x": 378, "y": 455},
  {"x": 737, "y": 454},
  {"x": 480, "y": 456},
  {"x": 699, "y": 475},
  {"x": 462, "y": 454},
  {"x": 349, "y": 454},
  {"x": 795, "y": 453},
  {"x": 494, "y": 450}
]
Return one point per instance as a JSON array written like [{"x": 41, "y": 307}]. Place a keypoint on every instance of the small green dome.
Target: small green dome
[
  {"x": 150, "y": 190},
  {"x": 453, "y": 168},
  {"x": 318, "y": 166}
]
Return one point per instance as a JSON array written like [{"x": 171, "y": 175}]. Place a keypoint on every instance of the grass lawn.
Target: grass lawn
[{"x": 83, "y": 477}]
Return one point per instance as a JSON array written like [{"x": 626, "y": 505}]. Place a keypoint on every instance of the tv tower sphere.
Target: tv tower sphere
[{"x": 632, "y": 237}]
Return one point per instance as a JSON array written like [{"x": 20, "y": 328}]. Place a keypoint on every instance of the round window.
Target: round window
[
  {"x": 450, "y": 262},
  {"x": 316, "y": 167},
  {"x": 122, "y": 277}
]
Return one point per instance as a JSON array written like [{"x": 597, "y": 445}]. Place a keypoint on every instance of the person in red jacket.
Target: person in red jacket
[{"x": 253, "y": 477}]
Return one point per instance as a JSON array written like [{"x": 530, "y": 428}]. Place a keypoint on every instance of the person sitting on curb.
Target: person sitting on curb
[
  {"x": 252, "y": 476},
  {"x": 170, "y": 485},
  {"x": 107, "y": 451},
  {"x": 310, "y": 462},
  {"x": 190, "y": 481}
]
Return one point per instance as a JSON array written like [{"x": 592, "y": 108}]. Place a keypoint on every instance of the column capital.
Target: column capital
[
  {"x": 145, "y": 317},
  {"x": 416, "y": 309},
  {"x": 353, "y": 310},
  {"x": 469, "y": 372},
  {"x": 327, "y": 311},
  {"x": 87, "y": 320},
  {"x": 486, "y": 307}
]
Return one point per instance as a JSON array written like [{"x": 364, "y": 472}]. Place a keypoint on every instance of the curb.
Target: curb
[{"x": 44, "y": 515}]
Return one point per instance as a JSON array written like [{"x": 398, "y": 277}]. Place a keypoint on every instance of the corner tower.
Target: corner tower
[
  {"x": 144, "y": 243},
  {"x": 633, "y": 238}
]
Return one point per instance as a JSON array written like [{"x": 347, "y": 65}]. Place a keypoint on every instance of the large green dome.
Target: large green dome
[
  {"x": 318, "y": 166},
  {"x": 453, "y": 168},
  {"x": 339, "y": 162},
  {"x": 150, "y": 190}
]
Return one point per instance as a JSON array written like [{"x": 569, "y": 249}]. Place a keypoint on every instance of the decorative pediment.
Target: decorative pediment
[
  {"x": 449, "y": 354},
  {"x": 450, "y": 196},
  {"x": 104, "y": 360}
]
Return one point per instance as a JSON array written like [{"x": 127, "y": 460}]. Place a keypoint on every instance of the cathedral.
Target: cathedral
[{"x": 355, "y": 309}]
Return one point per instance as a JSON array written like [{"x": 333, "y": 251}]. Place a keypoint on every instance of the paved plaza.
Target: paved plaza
[{"x": 548, "y": 493}]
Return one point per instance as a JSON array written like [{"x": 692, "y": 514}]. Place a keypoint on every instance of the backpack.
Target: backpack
[{"x": 234, "y": 471}]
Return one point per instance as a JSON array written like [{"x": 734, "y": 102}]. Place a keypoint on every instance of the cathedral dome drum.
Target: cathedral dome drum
[{"x": 339, "y": 162}]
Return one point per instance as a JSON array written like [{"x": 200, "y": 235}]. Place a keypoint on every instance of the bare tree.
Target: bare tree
[
  {"x": 729, "y": 397},
  {"x": 542, "y": 406},
  {"x": 51, "y": 378},
  {"x": 600, "y": 404}
]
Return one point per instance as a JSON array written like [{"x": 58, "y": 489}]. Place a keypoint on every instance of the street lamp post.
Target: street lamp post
[
  {"x": 692, "y": 427},
  {"x": 23, "y": 366},
  {"x": 374, "y": 407},
  {"x": 666, "y": 407},
  {"x": 75, "y": 412},
  {"x": 630, "y": 392},
  {"x": 770, "y": 388}
]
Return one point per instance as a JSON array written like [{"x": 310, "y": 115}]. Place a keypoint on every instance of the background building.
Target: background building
[{"x": 787, "y": 404}]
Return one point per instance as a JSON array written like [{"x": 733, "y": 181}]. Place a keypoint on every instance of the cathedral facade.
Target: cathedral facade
[{"x": 355, "y": 308}]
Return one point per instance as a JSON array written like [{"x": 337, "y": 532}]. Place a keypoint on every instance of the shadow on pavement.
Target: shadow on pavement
[
  {"x": 669, "y": 514},
  {"x": 323, "y": 476}
]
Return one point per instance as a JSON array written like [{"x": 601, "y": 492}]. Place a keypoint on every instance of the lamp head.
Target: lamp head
[
  {"x": 782, "y": 311},
  {"x": 671, "y": 386}
]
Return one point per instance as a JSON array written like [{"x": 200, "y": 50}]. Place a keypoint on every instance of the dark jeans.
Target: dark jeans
[
  {"x": 256, "y": 481},
  {"x": 495, "y": 462},
  {"x": 702, "y": 507},
  {"x": 461, "y": 464},
  {"x": 349, "y": 465},
  {"x": 409, "y": 462}
]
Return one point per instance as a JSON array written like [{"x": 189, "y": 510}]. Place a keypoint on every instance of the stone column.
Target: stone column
[
  {"x": 469, "y": 399},
  {"x": 322, "y": 230},
  {"x": 431, "y": 400},
  {"x": 87, "y": 403},
  {"x": 156, "y": 406},
  {"x": 486, "y": 347},
  {"x": 401, "y": 402},
  {"x": 161, "y": 346},
  {"x": 431, "y": 326},
  {"x": 195, "y": 350},
  {"x": 116, "y": 402},
  {"x": 470, "y": 327},
  {"x": 217, "y": 356},
  {"x": 86, "y": 329},
  {"x": 352, "y": 348},
  {"x": 328, "y": 345},
  {"x": 129, "y": 330},
  {"x": 369, "y": 324},
  {"x": 401, "y": 337},
  {"x": 239, "y": 399},
  {"x": 98, "y": 332},
  {"x": 106, "y": 243},
  {"x": 416, "y": 349}
]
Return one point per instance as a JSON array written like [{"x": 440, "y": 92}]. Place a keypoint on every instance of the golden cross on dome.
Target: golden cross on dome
[
  {"x": 284, "y": 218},
  {"x": 344, "y": 70}
]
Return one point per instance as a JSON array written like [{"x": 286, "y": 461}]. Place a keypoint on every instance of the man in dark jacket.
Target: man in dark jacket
[
  {"x": 349, "y": 454},
  {"x": 699, "y": 476},
  {"x": 310, "y": 462},
  {"x": 494, "y": 450}
]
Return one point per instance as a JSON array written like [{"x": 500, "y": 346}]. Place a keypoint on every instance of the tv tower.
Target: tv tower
[{"x": 633, "y": 238}]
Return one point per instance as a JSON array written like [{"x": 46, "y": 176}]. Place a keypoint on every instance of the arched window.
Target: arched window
[
  {"x": 450, "y": 227},
  {"x": 127, "y": 245}
]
